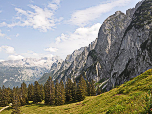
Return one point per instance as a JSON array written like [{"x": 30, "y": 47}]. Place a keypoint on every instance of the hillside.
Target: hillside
[{"x": 125, "y": 99}]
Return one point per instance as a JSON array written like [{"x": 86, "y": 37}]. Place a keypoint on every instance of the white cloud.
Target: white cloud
[
  {"x": 3, "y": 24},
  {"x": 0, "y": 11},
  {"x": 63, "y": 37},
  {"x": 7, "y": 49},
  {"x": 40, "y": 18},
  {"x": 32, "y": 54},
  {"x": 51, "y": 49},
  {"x": 81, "y": 37},
  {"x": 53, "y": 6},
  {"x": 4, "y": 36},
  {"x": 87, "y": 33},
  {"x": 17, "y": 34},
  {"x": 56, "y": 2},
  {"x": 83, "y": 17},
  {"x": 1, "y": 34},
  {"x": 2, "y": 60},
  {"x": 15, "y": 57},
  {"x": 8, "y": 38}
]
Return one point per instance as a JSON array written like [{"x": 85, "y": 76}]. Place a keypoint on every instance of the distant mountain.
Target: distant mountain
[
  {"x": 14, "y": 72},
  {"x": 72, "y": 66},
  {"x": 122, "y": 50}
]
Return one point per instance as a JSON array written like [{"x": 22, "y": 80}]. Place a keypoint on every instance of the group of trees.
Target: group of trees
[
  {"x": 59, "y": 93},
  {"x": 52, "y": 93},
  {"x": 21, "y": 96}
]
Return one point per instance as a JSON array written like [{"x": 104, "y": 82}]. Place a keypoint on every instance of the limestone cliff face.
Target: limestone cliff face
[
  {"x": 124, "y": 44},
  {"x": 122, "y": 50},
  {"x": 77, "y": 66},
  {"x": 135, "y": 52}
]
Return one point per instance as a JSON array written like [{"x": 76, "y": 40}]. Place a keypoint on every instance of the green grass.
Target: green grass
[{"x": 125, "y": 99}]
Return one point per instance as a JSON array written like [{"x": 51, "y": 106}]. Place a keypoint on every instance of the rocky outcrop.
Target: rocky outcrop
[{"x": 124, "y": 44}]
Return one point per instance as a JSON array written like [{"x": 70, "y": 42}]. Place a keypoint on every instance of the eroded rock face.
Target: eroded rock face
[
  {"x": 124, "y": 44},
  {"x": 76, "y": 67}
]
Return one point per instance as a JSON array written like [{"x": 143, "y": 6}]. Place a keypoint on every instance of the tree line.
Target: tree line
[{"x": 52, "y": 93}]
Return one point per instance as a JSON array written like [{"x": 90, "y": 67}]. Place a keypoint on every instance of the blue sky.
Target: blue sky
[{"x": 39, "y": 28}]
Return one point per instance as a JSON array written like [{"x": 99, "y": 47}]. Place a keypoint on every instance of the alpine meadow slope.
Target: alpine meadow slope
[{"x": 128, "y": 98}]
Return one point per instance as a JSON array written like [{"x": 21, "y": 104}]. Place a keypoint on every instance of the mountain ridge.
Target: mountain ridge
[
  {"x": 14, "y": 72},
  {"x": 122, "y": 44}
]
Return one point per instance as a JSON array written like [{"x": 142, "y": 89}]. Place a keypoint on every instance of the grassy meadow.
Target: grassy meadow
[{"x": 129, "y": 98}]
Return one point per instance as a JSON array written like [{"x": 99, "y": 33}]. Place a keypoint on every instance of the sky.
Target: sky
[{"x": 46, "y": 28}]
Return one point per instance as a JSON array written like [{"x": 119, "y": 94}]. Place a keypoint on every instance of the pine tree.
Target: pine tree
[
  {"x": 68, "y": 90},
  {"x": 42, "y": 92},
  {"x": 52, "y": 94},
  {"x": 98, "y": 91},
  {"x": 4, "y": 97},
  {"x": 49, "y": 92},
  {"x": 74, "y": 91},
  {"x": 57, "y": 94},
  {"x": 30, "y": 92},
  {"x": 23, "y": 94},
  {"x": 93, "y": 92},
  {"x": 1, "y": 97},
  {"x": 89, "y": 89},
  {"x": 16, "y": 102},
  {"x": 10, "y": 93},
  {"x": 81, "y": 92},
  {"x": 37, "y": 95},
  {"x": 62, "y": 92}
]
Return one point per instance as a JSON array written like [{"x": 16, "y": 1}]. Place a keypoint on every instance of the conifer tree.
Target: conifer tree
[
  {"x": 57, "y": 94},
  {"x": 30, "y": 92},
  {"x": 10, "y": 93},
  {"x": 89, "y": 89},
  {"x": 74, "y": 91},
  {"x": 68, "y": 90},
  {"x": 62, "y": 92},
  {"x": 23, "y": 94},
  {"x": 37, "y": 95},
  {"x": 93, "y": 92},
  {"x": 52, "y": 94},
  {"x": 42, "y": 92},
  {"x": 16, "y": 102},
  {"x": 1, "y": 97},
  {"x": 98, "y": 91},
  {"x": 49, "y": 92},
  {"x": 4, "y": 97},
  {"x": 81, "y": 92}
]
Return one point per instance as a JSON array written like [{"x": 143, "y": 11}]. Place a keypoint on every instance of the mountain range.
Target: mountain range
[
  {"x": 122, "y": 50},
  {"x": 14, "y": 72}
]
